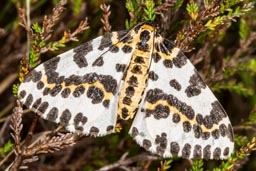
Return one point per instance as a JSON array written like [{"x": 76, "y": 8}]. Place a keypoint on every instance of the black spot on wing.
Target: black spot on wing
[
  {"x": 106, "y": 103},
  {"x": 114, "y": 49},
  {"x": 110, "y": 128},
  {"x": 215, "y": 134},
  {"x": 168, "y": 63},
  {"x": 43, "y": 107},
  {"x": 226, "y": 151},
  {"x": 80, "y": 60},
  {"x": 180, "y": 60},
  {"x": 29, "y": 100},
  {"x": 198, "y": 132},
  {"x": 80, "y": 54},
  {"x": 65, "y": 117},
  {"x": 217, "y": 112},
  {"x": 79, "y": 121},
  {"x": 186, "y": 150},
  {"x": 187, "y": 126},
  {"x": 230, "y": 133},
  {"x": 127, "y": 49},
  {"x": 52, "y": 114},
  {"x": 161, "y": 142},
  {"x": 40, "y": 85},
  {"x": 94, "y": 131},
  {"x": 73, "y": 80},
  {"x": 217, "y": 153},
  {"x": 79, "y": 91},
  {"x": 96, "y": 94},
  {"x": 175, "y": 84},
  {"x": 156, "y": 57},
  {"x": 98, "y": 62},
  {"x": 197, "y": 153},
  {"x": 122, "y": 36},
  {"x": 175, "y": 148},
  {"x": 105, "y": 41},
  {"x": 46, "y": 91},
  {"x": 205, "y": 135},
  {"x": 55, "y": 90},
  {"x": 176, "y": 118},
  {"x": 207, "y": 152},
  {"x": 160, "y": 112},
  {"x": 90, "y": 78},
  {"x": 34, "y": 76},
  {"x": 22, "y": 94},
  {"x": 109, "y": 83},
  {"x": 199, "y": 119},
  {"x": 153, "y": 76},
  {"x": 196, "y": 83},
  {"x": 50, "y": 67},
  {"x": 66, "y": 92},
  {"x": 120, "y": 67},
  {"x": 134, "y": 132},
  {"x": 146, "y": 144},
  {"x": 37, "y": 103}
]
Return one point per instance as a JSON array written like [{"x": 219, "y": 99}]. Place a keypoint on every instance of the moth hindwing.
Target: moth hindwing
[{"x": 132, "y": 73}]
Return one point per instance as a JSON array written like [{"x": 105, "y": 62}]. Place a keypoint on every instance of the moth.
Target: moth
[{"x": 133, "y": 74}]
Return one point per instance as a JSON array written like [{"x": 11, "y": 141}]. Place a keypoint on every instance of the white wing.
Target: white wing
[
  {"x": 79, "y": 88},
  {"x": 179, "y": 115}
]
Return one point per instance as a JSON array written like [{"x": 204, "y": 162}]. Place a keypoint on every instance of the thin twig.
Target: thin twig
[
  {"x": 28, "y": 24},
  {"x": 105, "y": 20},
  {"x": 16, "y": 126}
]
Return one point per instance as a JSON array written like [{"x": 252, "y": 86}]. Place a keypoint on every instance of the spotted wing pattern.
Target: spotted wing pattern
[
  {"x": 126, "y": 74},
  {"x": 79, "y": 88},
  {"x": 179, "y": 115}
]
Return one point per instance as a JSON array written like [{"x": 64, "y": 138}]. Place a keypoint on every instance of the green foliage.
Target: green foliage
[
  {"x": 252, "y": 117},
  {"x": 227, "y": 5},
  {"x": 76, "y": 6},
  {"x": 167, "y": 164},
  {"x": 178, "y": 4},
  {"x": 241, "y": 140},
  {"x": 225, "y": 166},
  {"x": 246, "y": 70},
  {"x": 88, "y": 168},
  {"x": 36, "y": 44},
  {"x": 213, "y": 23},
  {"x": 192, "y": 10},
  {"x": 15, "y": 88},
  {"x": 226, "y": 13},
  {"x": 134, "y": 10},
  {"x": 248, "y": 67},
  {"x": 6, "y": 148},
  {"x": 197, "y": 165},
  {"x": 233, "y": 86},
  {"x": 149, "y": 10},
  {"x": 139, "y": 10}
]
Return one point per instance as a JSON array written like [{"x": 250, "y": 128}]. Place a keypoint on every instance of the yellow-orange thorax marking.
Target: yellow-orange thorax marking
[{"x": 136, "y": 76}]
